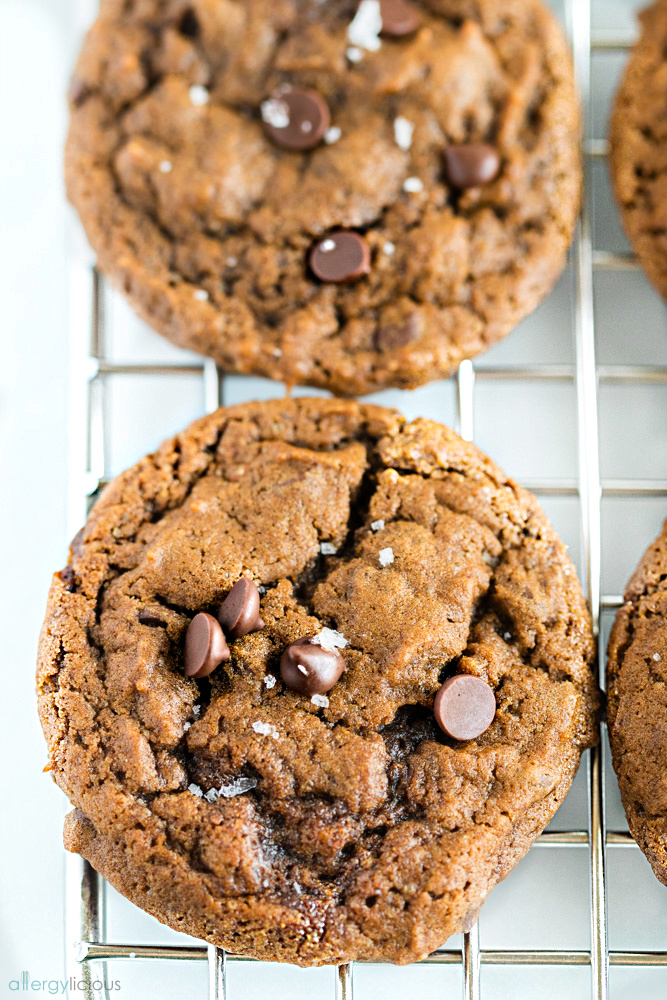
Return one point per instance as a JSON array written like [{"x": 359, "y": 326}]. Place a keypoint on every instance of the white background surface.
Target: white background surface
[{"x": 531, "y": 430}]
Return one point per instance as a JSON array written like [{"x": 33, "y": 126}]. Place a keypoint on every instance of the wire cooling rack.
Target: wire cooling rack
[{"x": 93, "y": 371}]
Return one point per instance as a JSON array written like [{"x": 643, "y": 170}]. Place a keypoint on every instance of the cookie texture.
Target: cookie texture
[
  {"x": 338, "y": 827},
  {"x": 637, "y": 703},
  {"x": 639, "y": 146},
  {"x": 208, "y": 225}
]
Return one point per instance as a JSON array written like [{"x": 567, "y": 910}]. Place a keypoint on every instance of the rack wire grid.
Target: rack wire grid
[{"x": 94, "y": 369}]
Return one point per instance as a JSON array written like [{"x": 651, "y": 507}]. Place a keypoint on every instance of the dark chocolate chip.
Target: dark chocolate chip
[
  {"x": 150, "y": 619},
  {"x": 340, "y": 257},
  {"x": 205, "y": 646},
  {"x": 464, "y": 707},
  {"x": 472, "y": 164},
  {"x": 296, "y": 119},
  {"x": 68, "y": 577},
  {"x": 395, "y": 335},
  {"x": 189, "y": 25},
  {"x": 308, "y": 669},
  {"x": 399, "y": 18},
  {"x": 239, "y": 612}
]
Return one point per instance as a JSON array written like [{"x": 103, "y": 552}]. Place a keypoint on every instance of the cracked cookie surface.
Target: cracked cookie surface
[
  {"x": 314, "y": 830},
  {"x": 637, "y": 703},
  {"x": 207, "y": 225},
  {"x": 638, "y": 137}
]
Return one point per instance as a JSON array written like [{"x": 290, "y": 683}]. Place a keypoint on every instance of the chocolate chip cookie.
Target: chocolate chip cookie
[
  {"x": 639, "y": 146},
  {"x": 314, "y": 679},
  {"x": 345, "y": 195},
  {"x": 637, "y": 703}
]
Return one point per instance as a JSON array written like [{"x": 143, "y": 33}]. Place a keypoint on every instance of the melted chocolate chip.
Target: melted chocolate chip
[
  {"x": 148, "y": 618},
  {"x": 68, "y": 578},
  {"x": 340, "y": 257},
  {"x": 205, "y": 646},
  {"x": 239, "y": 612},
  {"x": 464, "y": 707},
  {"x": 399, "y": 18},
  {"x": 296, "y": 119},
  {"x": 395, "y": 335},
  {"x": 308, "y": 669},
  {"x": 471, "y": 165}
]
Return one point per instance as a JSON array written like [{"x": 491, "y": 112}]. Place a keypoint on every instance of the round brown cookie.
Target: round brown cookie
[
  {"x": 325, "y": 828},
  {"x": 638, "y": 136},
  {"x": 637, "y": 703},
  {"x": 176, "y": 161}
]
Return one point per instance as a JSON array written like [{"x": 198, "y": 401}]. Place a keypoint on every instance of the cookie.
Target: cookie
[
  {"x": 316, "y": 790},
  {"x": 638, "y": 136},
  {"x": 637, "y": 703},
  {"x": 343, "y": 195}
]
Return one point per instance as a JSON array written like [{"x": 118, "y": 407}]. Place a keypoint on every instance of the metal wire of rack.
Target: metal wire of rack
[{"x": 92, "y": 370}]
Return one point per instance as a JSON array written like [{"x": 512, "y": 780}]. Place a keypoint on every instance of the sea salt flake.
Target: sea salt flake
[
  {"x": 275, "y": 113},
  {"x": 196, "y": 790},
  {"x": 330, "y": 640},
  {"x": 332, "y": 135},
  {"x": 326, "y": 246},
  {"x": 364, "y": 29},
  {"x": 377, "y": 525},
  {"x": 270, "y": 681},
  {"x": 327, "y": 549},
  {"x": 265, "y": 729},
  {"x": 656, "y": 657},
  {"x": 389, "y": 248},
  {"x": 232, "y": 261},
  {"x": 196, "y": 711},
  {"x": 201, "y": 295},
  {"x": 166, "y": 167},
  {"x": 403, "y": 129},
  {"x": 354, "y": 54},
  {"x": 199, "y": 95},
  {"x": 186, "y": 726},
  {"x": 235, "y": 787},
  {"x": 277, "y": 353},
  {"x": 413, "y": 184},
  {"x": 507, "y": 636},
  {"x": 386, "y": 556},
  {"x": 320, "y": 700},
  {"x": 306, "y": 126}
]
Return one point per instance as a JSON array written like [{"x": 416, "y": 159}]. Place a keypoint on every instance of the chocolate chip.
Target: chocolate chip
[
  {"x": 395, "y": 335},
  {"x": 296, "y": 119},
  {"x": 472, "y": 164},
  {"x": 464, "y": 707},
  {"x": 205, "y": 646},
  {"x": 340, "y": 257},
  {"x": 189, "y": 25},
  {"x": 150, "y": 619},
  {"x": 67, "y": 576},
  {"x": 239, "y": 612},
  {"x": 308, "y": 669},
  {"x": 399, "y": 18}
]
